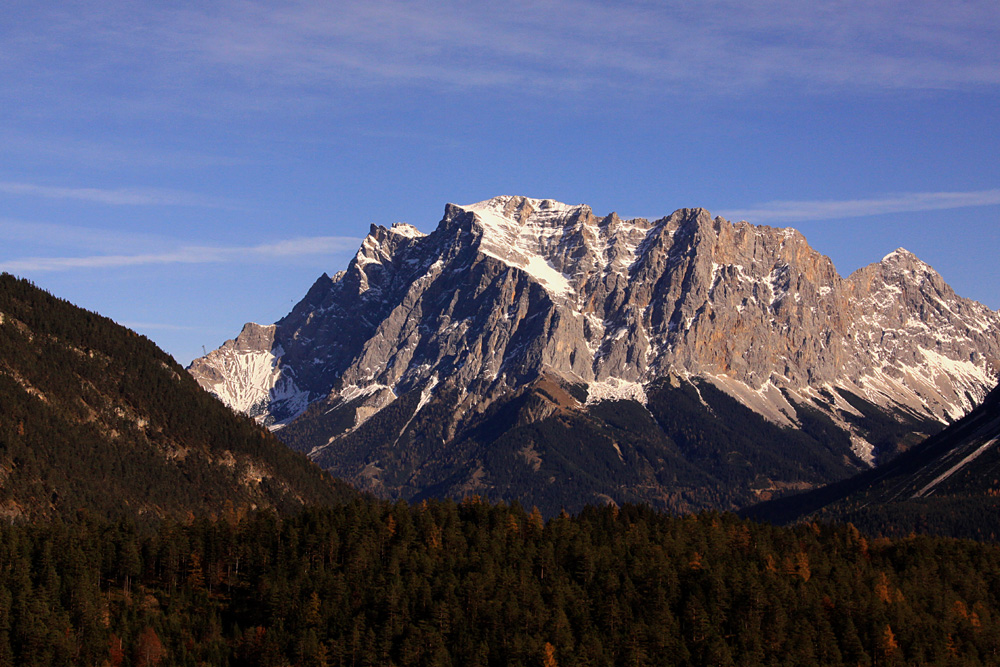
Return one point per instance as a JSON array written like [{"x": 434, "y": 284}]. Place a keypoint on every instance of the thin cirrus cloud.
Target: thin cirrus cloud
[
  {"x": 268, "y": 252},
  {"x": 805, "y": 211},
  {"x": 230, "y": 51},
  {"x": 716, "y": 47},
  {"x": 565, "y": 44},
  {"x": 117, "y": 196}
]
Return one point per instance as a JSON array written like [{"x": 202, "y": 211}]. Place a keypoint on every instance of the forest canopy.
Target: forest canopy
[{"x": 445, "y": 583}]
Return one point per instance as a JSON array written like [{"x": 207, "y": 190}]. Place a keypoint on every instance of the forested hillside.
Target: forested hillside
[
  {"x": 95, "y": 417},
  {"x": 375, "y": 583}
]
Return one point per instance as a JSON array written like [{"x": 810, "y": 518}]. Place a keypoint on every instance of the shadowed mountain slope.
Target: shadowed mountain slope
[
  {"x": 947, "y": 485},
  {"x": 95, "y": 417}
]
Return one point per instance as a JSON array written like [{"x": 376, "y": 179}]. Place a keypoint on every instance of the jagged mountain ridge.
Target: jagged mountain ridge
[{"x": 510, "y": 291}]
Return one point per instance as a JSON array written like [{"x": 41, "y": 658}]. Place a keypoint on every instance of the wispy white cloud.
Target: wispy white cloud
[
  {"x": 268, "y": 252},
  {"x": 562, "y": 44},
  {"x": 262, "y": 53},
  {"x": 717, "y": 46},
  {"x": 116, "y": 196},
  {"x": 804, "y": 211}
]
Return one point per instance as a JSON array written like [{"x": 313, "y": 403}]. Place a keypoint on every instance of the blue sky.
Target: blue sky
[{"x": 184, "y": 167}]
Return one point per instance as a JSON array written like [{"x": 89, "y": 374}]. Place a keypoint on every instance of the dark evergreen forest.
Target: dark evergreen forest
[
  {"x": 95, "y": 416},
  {"x": 442, "y": 583},
  {"x": 132, "y": 534}
]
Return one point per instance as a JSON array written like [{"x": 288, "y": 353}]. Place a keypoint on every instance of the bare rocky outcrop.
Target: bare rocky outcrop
[{"x": 509, "y": 290}]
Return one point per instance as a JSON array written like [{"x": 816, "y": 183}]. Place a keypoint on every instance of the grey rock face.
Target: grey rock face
[{"x": 510, "y": 290}]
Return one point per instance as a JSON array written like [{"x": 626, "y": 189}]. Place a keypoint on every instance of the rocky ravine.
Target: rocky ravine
[{"x": 511, "y": 292}]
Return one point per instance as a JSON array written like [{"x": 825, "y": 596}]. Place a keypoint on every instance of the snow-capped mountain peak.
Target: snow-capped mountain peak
[
  {"x": 406, "y": 230},
  {"x": 526, "y": 233},
  {"x": 513, "y": 291}
]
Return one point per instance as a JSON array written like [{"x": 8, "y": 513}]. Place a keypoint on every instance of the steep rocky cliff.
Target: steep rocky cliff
[{"x": 389, "y": 372}]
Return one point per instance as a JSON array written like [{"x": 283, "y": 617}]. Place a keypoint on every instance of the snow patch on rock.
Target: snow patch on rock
[
  {"x": 615, "y": 389},
  {"x": 407, "y": 230},
  {"x": 518, "y": 244},
  {"x": 251, "y": 380}
]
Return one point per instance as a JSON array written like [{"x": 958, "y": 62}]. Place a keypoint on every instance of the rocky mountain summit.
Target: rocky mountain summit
[{"x": 408, "y": 372}]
